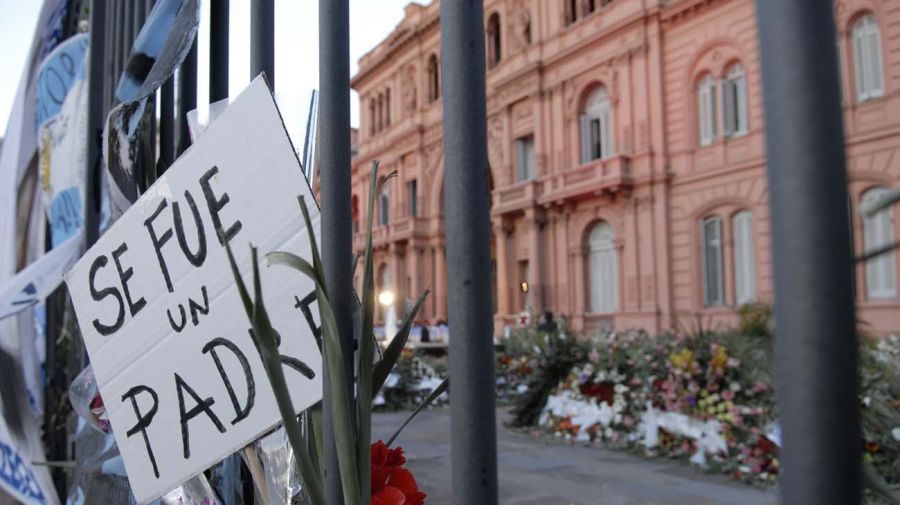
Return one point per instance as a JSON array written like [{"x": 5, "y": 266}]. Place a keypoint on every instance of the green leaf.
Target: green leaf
[
  {"x": 355, "y": 262},
  {"x": 438, "y": 391},
  {"x": 313, "y": 245},
  {"x": 314, "y": 414},
  {"x": 877, "y": 485},
  {"x": 392, "y": 353},
  {"x": 291, "y": 260},
  {"x": 366, "y": 351},
  {"x": 265, "y": 336},
  {"x": 344, "y": 435},
  {"x": 333, "y": 364}
]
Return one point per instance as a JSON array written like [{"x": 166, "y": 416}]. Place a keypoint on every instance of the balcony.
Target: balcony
[
  {"x": 609, "y": 176},
  {"x": 516, "y": 197},
  {"x": 410, "y": 227},
  {"x": 404, "y": 228}
]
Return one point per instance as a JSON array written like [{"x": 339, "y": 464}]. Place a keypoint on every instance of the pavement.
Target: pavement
[{"x": 534, "y": 471}]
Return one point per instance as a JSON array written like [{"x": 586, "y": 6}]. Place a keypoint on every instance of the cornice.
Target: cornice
[
  {"x": 681, "y": 10},
  {"x": 398, "y": 40}
]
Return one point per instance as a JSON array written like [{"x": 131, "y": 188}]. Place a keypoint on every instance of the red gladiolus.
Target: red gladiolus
[{"x": 391, "y": 483}]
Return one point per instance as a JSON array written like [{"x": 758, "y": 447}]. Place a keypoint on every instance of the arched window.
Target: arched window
[
  {"x": 596, "y": 125},
  {"x": 711, "y": 253},
  {"x": 384, "y": 202},
  {"x": 387, "y": 107},
  {"x": 734, "y": 101},
  {"x": 744, "y": 258},
  {"x": 493, "y": 40},
  {"x": 434, "y": 81},
  {"x": 603, "y": 268},
  {"x": 878, "y": 232},
  {"x": 867, "y": 58},
  {"x": 706, "y": 109}
]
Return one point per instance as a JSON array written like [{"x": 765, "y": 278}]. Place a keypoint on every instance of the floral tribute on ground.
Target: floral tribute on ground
[{"x": 707, "y": 397}]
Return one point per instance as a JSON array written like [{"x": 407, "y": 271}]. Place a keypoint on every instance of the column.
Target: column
[
  {"x": 501, "y": 239},
  {"x": 534, "y": 219},
  {"x": 577, "y": 260},
  {"x": 440, "y": 281}
]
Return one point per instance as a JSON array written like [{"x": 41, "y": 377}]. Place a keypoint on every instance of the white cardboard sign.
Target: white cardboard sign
[{"x": 160, "y": 313}]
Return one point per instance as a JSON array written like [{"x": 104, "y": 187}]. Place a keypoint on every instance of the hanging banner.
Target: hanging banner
[
  {"x": 166, "y": 331},
  {"x": 39, "y": 279},
  {"x": 17, "y": 475},
  {"x": 62, "y": 136}
]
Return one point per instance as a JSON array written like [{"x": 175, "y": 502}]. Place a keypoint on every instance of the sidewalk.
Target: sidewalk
[{"x": 536, "y": 472}]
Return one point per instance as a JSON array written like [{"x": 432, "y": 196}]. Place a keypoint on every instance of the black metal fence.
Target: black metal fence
[{"x": 807, "y": 180}]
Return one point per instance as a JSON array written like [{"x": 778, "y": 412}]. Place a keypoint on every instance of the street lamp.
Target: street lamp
[{"x": 386, "y": 298}]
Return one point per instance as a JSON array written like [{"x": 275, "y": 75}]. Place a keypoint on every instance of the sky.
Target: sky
[{"x": 296, "y": 45}]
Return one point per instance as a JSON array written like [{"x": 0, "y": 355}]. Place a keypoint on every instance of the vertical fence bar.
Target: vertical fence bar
[
  {"x": 128, "y": 30},
  {"x": 334, "y": 156},
  {"x": 119, "y": 30},
  {"x": 96, "y": 108},
  {"x": 218, "y": 50},
  {"x": 114, "y": 50},
  {"x": 107, "y": 52},
  {"x": 467, "y": 224},
  {"x": 262, "y": 39},
  {"x": 167, "y": 122},
  {"x": 187, "y": 96},
  {"x": 814, "y": 311}
]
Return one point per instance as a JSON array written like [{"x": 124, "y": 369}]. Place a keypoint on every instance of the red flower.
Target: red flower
[{"x": 391, "y": 483}]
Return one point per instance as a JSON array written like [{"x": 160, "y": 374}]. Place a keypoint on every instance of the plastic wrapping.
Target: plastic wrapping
[
  {"x": 280, "y": 475},
  {"x": 84, "y": 395},
  {"x": 99, "y": 471}
]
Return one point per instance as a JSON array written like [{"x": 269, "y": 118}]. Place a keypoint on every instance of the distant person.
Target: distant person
[
  {"x": 424, "y": 337},
  {"x": 547, "y": 323}
]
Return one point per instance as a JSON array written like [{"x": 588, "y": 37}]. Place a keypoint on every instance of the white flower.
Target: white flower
[
  {"x": 896, "y": 433},
  {"x": 866, "y": 401},
  {"x": 734, "y": 386}
]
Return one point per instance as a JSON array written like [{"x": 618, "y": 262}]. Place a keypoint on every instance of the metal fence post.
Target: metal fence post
[
  {"x": 467, "y": 224},
  {"x": 334, "y": 157},
  {"x": 814, "y": 310},
  {"x": 167, "y": 122},
  {"x": 218, "y": 50},
  {"x": 187, "y": 97},
  {"x": 96, "y": 109},
  {"x": 262, "y": 40}
]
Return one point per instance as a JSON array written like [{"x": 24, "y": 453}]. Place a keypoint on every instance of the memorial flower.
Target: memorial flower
[{"x": 391, "y": 483}]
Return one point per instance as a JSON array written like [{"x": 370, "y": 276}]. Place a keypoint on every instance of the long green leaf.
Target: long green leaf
[
  {"x": 269, "y": 355},
  {"x": 291, "y": 260},
  {"x": 344, "y": 436},
  {"x": 366, "y": 351},
  {"x": 333, "y": 363},
  {"x": 438, "y": 391},
  {"x": 313, "y": 244},
  {"x": 392, "y": 353},
  {"x": 315, "y": 425}
]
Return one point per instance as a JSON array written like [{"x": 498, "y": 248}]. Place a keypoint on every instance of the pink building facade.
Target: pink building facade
[{"x": 626, "y": 155}]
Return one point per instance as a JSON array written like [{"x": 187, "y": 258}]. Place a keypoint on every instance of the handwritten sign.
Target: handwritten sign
[{"x": 168, "y": 337}]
